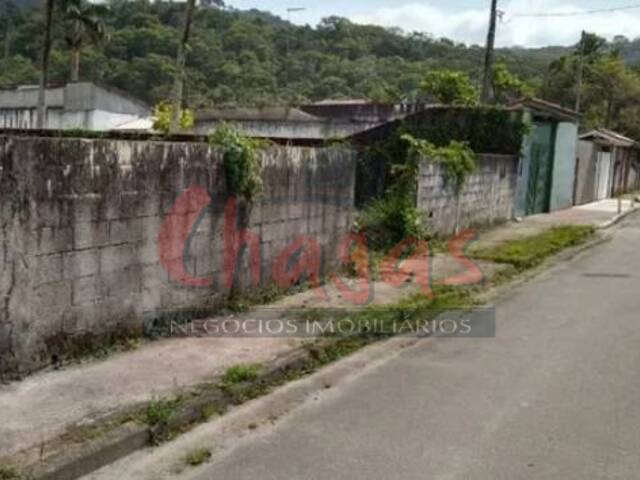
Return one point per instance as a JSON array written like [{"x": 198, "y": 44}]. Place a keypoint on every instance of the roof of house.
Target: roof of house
[
  {"x": 347, "y": 101},
  {"x": 144, "y": 124},
  {"x": 551, "y": 109},
  {"x": 74, "y": 96},
  {"x": 608, "y": 137},
  {"x": 273, "y": 113}
]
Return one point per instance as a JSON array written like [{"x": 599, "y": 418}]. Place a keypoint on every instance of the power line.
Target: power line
[{"x": 575, "y": 14}]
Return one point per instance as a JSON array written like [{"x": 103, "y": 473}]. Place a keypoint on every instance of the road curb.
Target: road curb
[
  {"x": 616, "y": 219},
  {"x": 80, "y": 459}
]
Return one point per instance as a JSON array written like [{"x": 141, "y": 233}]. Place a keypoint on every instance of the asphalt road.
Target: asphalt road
[{"x": 556, "y": 395}]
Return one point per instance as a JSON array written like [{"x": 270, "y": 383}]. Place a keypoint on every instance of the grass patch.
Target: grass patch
[
  {"x": 10, "y": 472},
  {"x": 241, "y": 373},
  {"x": 197, "y": 457},
  {"x": 530, "y": 252},
  {"x": 159, "y": 410}
]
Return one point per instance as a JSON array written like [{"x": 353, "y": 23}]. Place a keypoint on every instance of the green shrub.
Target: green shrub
[
  {"x": 387, "y": 221},
  {"x": 242, "y": 165},
  {"x": 162, "y": 118}
]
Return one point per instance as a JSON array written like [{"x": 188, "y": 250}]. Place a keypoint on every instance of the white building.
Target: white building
[{"x": 82, "y": 105}]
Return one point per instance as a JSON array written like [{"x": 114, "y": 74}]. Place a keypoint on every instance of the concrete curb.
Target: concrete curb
[
  {"x": 78, "y": 460},
  {"x": 84, "y": 458},
  {"x": 617, "y": 219}
]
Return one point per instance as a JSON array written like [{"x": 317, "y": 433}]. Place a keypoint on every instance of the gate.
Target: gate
[{"x": 541, "y": 168}]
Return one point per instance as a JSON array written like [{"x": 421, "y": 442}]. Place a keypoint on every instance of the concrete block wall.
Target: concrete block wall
[
  {"x": 80, "y": 222},
  {"x": 487, "y": 197}
]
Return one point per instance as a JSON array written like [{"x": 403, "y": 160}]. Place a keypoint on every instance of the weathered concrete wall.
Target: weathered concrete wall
[
  {"x": 81, "y": 241},
  {"x": 564, "y": 166},
  {"x": 586, "y": 173},
  {"x": 488, "y": 195}
]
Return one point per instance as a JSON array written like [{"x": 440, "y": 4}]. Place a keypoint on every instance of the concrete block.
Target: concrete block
[
  {"x": 87, "y": 291},
  {"x": 116, "y": 258},
  {"x": 90, "y": 234},
  {"x": 54, "y": 240},
  {"x": 125, "y": 231},
  {"x": 45, "y": 269},
  {"x": 80, "y": 263}
]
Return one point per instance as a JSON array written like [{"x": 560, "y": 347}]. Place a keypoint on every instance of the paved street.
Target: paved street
[{"x": 554, "y": 396}]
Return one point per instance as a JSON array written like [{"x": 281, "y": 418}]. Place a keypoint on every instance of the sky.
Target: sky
[{"x": 466, "y": 20}]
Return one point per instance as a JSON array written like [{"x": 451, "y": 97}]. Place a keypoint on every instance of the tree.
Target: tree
[
  {"x": 86, "y": 22},
  {"x": 44, "y": 69},
  {"x": 178, "y": 85},
  {"x": 449, "y": 87},
  {"x": 507, "y": 86}
]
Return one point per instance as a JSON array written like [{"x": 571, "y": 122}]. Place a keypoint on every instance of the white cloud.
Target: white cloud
[{"x": 470, "y": 25}]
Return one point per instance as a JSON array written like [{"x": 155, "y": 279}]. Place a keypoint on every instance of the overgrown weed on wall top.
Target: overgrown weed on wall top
[{"x": 241, "y": 160}]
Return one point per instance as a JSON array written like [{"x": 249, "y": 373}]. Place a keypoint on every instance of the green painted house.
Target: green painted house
[{"x": 546, "y": 173}]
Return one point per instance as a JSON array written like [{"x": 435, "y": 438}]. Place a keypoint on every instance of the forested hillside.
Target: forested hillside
[
  {"x": 253, "y": 57},
  {"x": 242, "y": 56}
]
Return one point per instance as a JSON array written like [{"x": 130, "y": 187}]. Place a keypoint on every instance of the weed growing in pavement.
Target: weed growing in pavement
[
  {"x": 240, "y": 373},
  {"x": 197, "y": 457}
]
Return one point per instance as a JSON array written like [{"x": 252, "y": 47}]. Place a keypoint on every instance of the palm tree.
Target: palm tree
[
  {"x": 86, "y": 21},
  {"x": 44, "y": 71}
]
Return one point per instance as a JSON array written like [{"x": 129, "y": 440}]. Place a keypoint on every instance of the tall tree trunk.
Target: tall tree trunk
[
  {"x": 75, "y": 52},
  {"x": 178, "y": 86},
  {"x": 7, "y": 37},
  {"x": 75, "y": 64},
  {"x": 44, "y": 70}
]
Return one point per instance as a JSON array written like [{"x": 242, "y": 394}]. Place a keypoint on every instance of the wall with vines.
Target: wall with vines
[
  {"x": 484, "y": 130},
  {"x": 102, "y": 237}
]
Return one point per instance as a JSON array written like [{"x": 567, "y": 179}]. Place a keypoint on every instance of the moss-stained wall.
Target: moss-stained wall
[
  {"x": 488, "y": 195},
  {"x": 82, "y": 255}
]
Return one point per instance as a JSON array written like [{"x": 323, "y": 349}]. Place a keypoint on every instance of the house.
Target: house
[
  {"x": 82, "y": 105},
  {"x": 359, "y": 110},
  {"x": 608, "y": 164},
  {"x": 546, "y": 173},
  {"x": 279, "y": 122}
]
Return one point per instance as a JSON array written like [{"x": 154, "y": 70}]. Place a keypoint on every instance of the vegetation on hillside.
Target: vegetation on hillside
[
  {"x": 247, "y": 57},
  {"x": 256, "y": 58}
]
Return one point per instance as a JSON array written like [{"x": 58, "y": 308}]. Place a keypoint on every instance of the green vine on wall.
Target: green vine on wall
[
  {"x": 457, "y": 159},
  {"x": 241, "y": 161}
]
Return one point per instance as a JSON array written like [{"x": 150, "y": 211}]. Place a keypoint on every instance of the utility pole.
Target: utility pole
[
  {"x": 486, "y": 93},
  {"x": 580, "y": 72}
]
